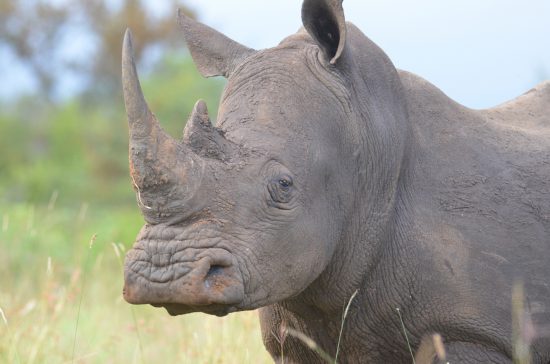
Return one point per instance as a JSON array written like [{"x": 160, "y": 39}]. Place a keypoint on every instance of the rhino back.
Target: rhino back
[
  {"x": 493, "y": 163},
  {"x": 482, "y": 198}
]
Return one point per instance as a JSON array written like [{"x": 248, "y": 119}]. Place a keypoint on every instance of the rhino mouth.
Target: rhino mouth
[
  {"x": 176, "y": 309},
  {"x": 182, "y": 278}
]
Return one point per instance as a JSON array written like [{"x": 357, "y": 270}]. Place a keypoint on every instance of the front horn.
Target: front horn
[{"x": 163, "y": 170}]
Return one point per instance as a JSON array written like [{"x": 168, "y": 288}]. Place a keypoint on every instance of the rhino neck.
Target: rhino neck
[
  {"x": 317, "y": 312},
  {"x": 368, "y": 254},
  {"x": 381, "y": 211}
]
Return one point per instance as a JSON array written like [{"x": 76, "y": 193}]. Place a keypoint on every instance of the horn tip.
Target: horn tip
[
  {"x": 127, "y": 46},
  {"x": 128, "y": 37},
  {"x": 182, "y": 17},
  {"x": 201, "y": 107},
  {"x": 136, "y": 106}
]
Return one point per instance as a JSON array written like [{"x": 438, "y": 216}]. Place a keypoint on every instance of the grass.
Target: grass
[
  {"x": 405, "y": 334},
  {"x": 57, "y": 293},
  {"x": 344, "y": 316},
  {"x": 60, "y": 297},
  {"x": 311, "y": 344},
  {"x": 47, "y": 267},
  {"x": 60, "y": 300}
]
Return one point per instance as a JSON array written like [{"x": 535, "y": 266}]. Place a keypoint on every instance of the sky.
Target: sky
[{"x": 479, "y": 52}]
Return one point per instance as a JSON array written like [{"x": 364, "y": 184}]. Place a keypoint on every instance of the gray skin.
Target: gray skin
[{"x": 331, "y": 172}]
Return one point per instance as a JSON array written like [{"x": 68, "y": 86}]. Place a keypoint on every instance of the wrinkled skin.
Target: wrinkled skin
[{"x": 330, "y": 173}]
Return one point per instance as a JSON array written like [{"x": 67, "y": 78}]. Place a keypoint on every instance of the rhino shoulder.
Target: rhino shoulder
[
  {"x": 423, "y": 94},
  {"x": 429, "y": 107}
]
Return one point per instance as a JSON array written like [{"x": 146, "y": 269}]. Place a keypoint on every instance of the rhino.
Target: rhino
[{"x": 331, "y": 180}]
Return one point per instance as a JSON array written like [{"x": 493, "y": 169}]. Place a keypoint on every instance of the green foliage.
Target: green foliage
[
  {"x": 79, "y": 150},
  {"x": 171, "y": 102},
  {"x": 62, "y": 150},
  {"x": 63, "y": 179},
  {"x": 81, "y": 39}
]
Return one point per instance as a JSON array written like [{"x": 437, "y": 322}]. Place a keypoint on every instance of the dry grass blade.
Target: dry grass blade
[
  {"x": 431, "y": 347},
  {"x": 523, "y": 331},
  {"x": 342, "y": 325},
  {"x": 38, "y": 343},
  {"x": 405, "y": 333},
  {"x": 281, "y": 339},
  {"x": 9, "y": 335},
  {"x": 82, "y": 293},
  {"x": 118, "y": 249},
  {"x": 3, "y": 317},
  {"x": 310, "y": 343}
]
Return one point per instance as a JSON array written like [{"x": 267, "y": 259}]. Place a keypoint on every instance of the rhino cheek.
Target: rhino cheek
[{"x": 287, "y": 267}]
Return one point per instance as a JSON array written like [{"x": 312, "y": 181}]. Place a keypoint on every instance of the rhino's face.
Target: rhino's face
[
  {"x": 251, "y": 220},
  {"x": 246, "y": 214}
]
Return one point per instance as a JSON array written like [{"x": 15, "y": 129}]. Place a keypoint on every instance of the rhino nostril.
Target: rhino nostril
[
  {"x": 214, "y": 276},
  {"x": 214, "y": 270}
]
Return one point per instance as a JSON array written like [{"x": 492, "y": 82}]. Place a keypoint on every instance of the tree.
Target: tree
[{"x": 82, "y": 36}]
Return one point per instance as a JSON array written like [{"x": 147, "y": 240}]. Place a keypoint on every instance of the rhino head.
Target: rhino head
[{"x": 255, "y": 210}]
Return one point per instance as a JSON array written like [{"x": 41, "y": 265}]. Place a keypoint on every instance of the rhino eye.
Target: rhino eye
[
  {"x": 285, "y": 182},
  {"x": 280, "y": 189}
]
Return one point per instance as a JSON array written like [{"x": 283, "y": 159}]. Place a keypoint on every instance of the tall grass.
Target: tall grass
[
  {"x": 42, "y": 271},
  {"x": 79, "y": 151}
]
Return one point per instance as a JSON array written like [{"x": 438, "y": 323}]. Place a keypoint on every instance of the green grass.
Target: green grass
[
  {"x": 44, "y": 261},
  {"x": 49, "y": 277}
]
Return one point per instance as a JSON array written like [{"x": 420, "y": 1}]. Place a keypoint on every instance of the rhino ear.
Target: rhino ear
[
  {"x": 213, "y": 53},
  {"x": 324, "y": 21}
]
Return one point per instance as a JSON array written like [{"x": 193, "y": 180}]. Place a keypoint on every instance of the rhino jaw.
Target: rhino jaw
[{"x": 182, "y": 279}]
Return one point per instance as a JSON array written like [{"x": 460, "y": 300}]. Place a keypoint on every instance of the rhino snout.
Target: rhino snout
[{"x": 182, "y": 279}]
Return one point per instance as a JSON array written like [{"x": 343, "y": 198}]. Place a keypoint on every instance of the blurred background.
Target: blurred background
[{"x": 67, "y": 209}]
